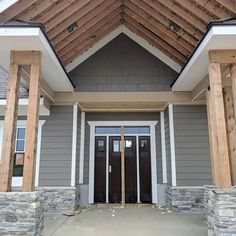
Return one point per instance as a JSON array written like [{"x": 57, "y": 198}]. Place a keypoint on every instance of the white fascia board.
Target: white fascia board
[
  {"x": 56, "y": 62},
  {"x": 18, "y": 31},
  {"x": 32, "y": 38},
  {"x": 218, "y": 37},
  {"x": 4, "y": 4},
  {"x": 139, "y": 40}
]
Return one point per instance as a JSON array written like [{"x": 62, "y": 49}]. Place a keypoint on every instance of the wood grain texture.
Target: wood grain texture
[
  {"x": 32, "y": 129},
  {"x": 9, "y": 134},
  {"x": 217, "y": 104},
  {"x": 231, "y": 130}
]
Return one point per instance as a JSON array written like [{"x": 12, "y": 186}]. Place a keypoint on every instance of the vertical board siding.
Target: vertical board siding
[
  {"x": 193, "y": 166},
  {"x": 56, "y": 147},
  {"x": 122, "y": 117},
  {"x": 122, "y": 66},
  {"x": 167, "y": 139}
]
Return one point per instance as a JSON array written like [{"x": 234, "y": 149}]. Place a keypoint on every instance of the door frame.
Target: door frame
[{"x": 152, "y": 135}]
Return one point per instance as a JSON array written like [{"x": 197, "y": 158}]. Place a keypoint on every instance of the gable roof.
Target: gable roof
[
  {"x": 220, "y": 35},
  {"x": 172, "y": 26}
]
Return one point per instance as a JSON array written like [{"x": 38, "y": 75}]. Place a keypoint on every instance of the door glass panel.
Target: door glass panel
[
  {"x": 143, "y": 145},
  {"x": 116, "y": 145},
  {"x": 128, "y": 145},
  {"x": 101, "y": 146},
  {"x": 107, "y": 130},
  {"x": 137, "y": 130}
]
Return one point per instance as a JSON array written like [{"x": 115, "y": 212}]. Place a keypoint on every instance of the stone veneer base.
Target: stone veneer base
[
  {"x": 60, "y": 199},
  {"x": 185, "y": 199},
  {"x": 220, "y": 210},
  {"x": 21, "y": 213}
]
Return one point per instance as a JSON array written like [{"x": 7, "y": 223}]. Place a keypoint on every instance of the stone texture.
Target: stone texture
[
  {"x": 220, "y": 210},
  {"x": 60, "y": 199},
  {"x": 21, "y": 213},
  {"x": 185, "y": 200}
]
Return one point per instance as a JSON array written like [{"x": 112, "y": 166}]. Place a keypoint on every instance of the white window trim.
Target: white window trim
[
  {"x": 152, "y": 135},
  {"x": 163, "y": 147},
  {"x": 172, "y": 144},
  {"x": 17, "y": 181},
  {"x": 74, "y": 144}
]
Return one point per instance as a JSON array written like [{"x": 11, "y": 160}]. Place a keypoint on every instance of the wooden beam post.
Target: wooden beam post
[
  {"x": 212, "y": 138},
  {"x": 222, "y": 158},
  {"x": 9, "y": 134},
  {"x": 233, "y": 78},
  {"x": 32, "y": 126},
  {"x": 231, "y": 130},
  {"x": 122, "y": 167}
]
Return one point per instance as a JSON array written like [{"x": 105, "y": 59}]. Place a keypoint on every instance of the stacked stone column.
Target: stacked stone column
[{"x": 220, "y": 209}]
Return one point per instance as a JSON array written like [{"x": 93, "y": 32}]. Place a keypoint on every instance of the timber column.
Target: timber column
[
  {"x": 220, "y": 200},
  {"x": 217, "y": 121},
  {"x": 21, "y": 58}
]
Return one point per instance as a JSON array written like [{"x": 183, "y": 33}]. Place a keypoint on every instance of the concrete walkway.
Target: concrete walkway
[{"x": 115, "y": 221}]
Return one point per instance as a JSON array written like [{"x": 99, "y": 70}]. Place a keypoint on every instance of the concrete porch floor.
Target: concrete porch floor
[{"x": 115, "y": 221}]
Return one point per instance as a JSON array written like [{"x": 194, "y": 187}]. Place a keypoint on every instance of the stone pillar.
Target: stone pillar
[
  {"x": 185, "y": 199},
  {"x": 220, "y": 209},
  {"x": 21, "y": 213}
]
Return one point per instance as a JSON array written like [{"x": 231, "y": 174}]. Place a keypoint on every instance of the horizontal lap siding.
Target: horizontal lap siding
[
  {"x": 56, "y": 147},
  {"x": 193, "y": 165},
  {"x": 122, "y": 66},
  {"x": 122, "y": 117}
]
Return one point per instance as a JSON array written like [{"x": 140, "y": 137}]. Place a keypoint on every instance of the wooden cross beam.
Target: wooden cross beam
[{"x": 222, "y": 56}]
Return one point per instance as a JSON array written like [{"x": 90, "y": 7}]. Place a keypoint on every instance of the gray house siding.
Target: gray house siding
[
  {"x": 4, "y": 84},
  {"x": 122, "y": 66},
  {"x": 193, "y": 167},
  {"x": 167, "y": 140},
  {"x": 56, "y": 147},
  {"x": 120, "y": 117}
]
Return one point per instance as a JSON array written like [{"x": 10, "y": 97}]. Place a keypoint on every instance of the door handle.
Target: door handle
[{"x": 109, "y": 168}]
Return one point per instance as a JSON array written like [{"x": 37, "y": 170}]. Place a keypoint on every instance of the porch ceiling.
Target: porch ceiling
[{"x": 172, "y": 26}]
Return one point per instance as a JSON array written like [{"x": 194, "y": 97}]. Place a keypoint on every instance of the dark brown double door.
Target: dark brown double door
[{"x": 114, "y": 169}]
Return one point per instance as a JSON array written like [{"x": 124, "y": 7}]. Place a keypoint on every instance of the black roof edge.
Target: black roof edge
[
  {"x": 31, "y": 24},
  {"x": 225, "y": 22}
]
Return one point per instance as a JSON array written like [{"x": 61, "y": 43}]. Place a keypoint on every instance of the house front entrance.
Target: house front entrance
[{"x": 107, "y": 165}]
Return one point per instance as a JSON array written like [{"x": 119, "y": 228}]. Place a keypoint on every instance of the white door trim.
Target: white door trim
[
  {"x": 153, "y": 164},
  {"x": 138, "y": 170},
  {"x": 151, "y": 124},
  {"x": 107, "y": 168},
  {"x": 91, "y": 163},
  {"x": 172, "y": 145}
]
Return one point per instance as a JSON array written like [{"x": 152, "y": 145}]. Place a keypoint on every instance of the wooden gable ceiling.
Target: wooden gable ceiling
[{"x": 173, "y": 26}]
